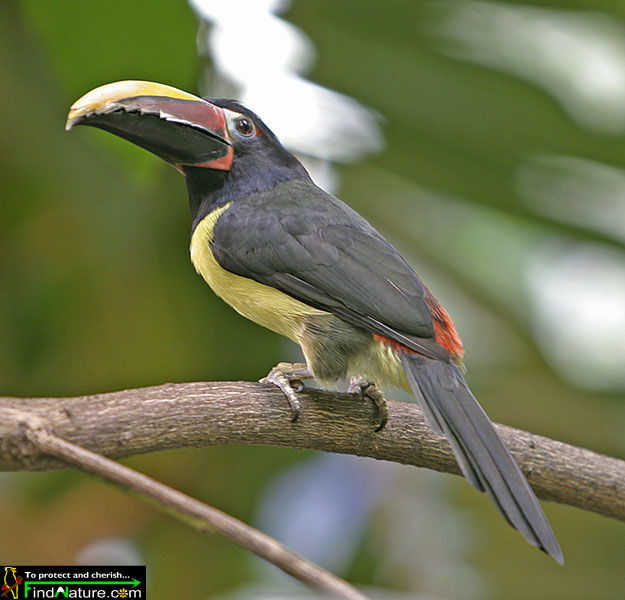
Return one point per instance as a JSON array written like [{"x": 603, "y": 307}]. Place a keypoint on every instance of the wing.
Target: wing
[{"x": 313, "y": 247}]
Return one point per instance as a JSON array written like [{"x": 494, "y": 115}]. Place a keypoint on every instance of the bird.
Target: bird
[
  {"x": 11, "y": 582},
  {"x": 302, "y": 263}
]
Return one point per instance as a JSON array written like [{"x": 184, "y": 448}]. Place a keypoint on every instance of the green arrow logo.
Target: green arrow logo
[
  {"x": 132, "y": 582},
  {"x": 28, "y": 584}
]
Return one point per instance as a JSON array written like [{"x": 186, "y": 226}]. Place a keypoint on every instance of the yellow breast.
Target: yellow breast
[{"x": 260, "y": 303}]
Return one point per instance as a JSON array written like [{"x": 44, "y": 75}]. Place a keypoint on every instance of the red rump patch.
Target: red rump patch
[
  {"x": 445, "y": 332},
  {"x": 392, "y": 344}
]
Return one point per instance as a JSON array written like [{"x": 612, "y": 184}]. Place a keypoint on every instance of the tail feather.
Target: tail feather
[{"x": 450, "y": 408}]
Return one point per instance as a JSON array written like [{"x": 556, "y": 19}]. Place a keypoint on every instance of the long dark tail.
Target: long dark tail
[{"x": 484, "y": 459}]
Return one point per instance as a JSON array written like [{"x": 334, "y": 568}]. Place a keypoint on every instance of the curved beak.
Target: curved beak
[{"x": 179, "y": 127}]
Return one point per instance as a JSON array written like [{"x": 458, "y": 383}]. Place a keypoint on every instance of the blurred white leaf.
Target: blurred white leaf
[
  {"x": 577, "y": 292},
  {"x": 110, "y": 551},
  {"x": 577, "y": 57},
  {"x": 315, "y": 120},
  {"x": 577, "y": 191},
  {"x": 262, "y": 58}
]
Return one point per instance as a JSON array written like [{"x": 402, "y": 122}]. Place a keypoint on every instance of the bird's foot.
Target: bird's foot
[
  {"x": 288, "y": 377},
  {"x": 368, "y": 389}
]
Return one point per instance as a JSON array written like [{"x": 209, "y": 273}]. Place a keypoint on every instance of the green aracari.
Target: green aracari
[{"x": 297, "y": 260}]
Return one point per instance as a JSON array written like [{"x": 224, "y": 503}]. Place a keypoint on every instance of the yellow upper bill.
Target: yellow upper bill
[{"x": 104, "y": 99}]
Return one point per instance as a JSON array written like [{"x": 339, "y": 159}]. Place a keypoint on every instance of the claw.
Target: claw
[
  {"x": 368, "y": 389},
  {"x": 288, "y": 377}
]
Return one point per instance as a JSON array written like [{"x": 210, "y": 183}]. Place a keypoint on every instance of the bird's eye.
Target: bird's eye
[{"x": 244, "y": 126}]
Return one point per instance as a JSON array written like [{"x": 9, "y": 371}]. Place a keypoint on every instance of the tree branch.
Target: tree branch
[
  {"x": 198, "y": 515},
  {"x": 220, "y": 413}
]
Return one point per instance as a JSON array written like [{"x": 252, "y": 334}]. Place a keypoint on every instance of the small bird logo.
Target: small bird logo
[{"x": 11, "y": 582}]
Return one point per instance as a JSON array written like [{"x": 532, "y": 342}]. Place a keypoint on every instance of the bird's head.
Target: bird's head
[{"x": 219, "y": 145}]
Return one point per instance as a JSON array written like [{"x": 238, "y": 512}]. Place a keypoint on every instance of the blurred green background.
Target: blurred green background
[{"x": 502, "y": 180}]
